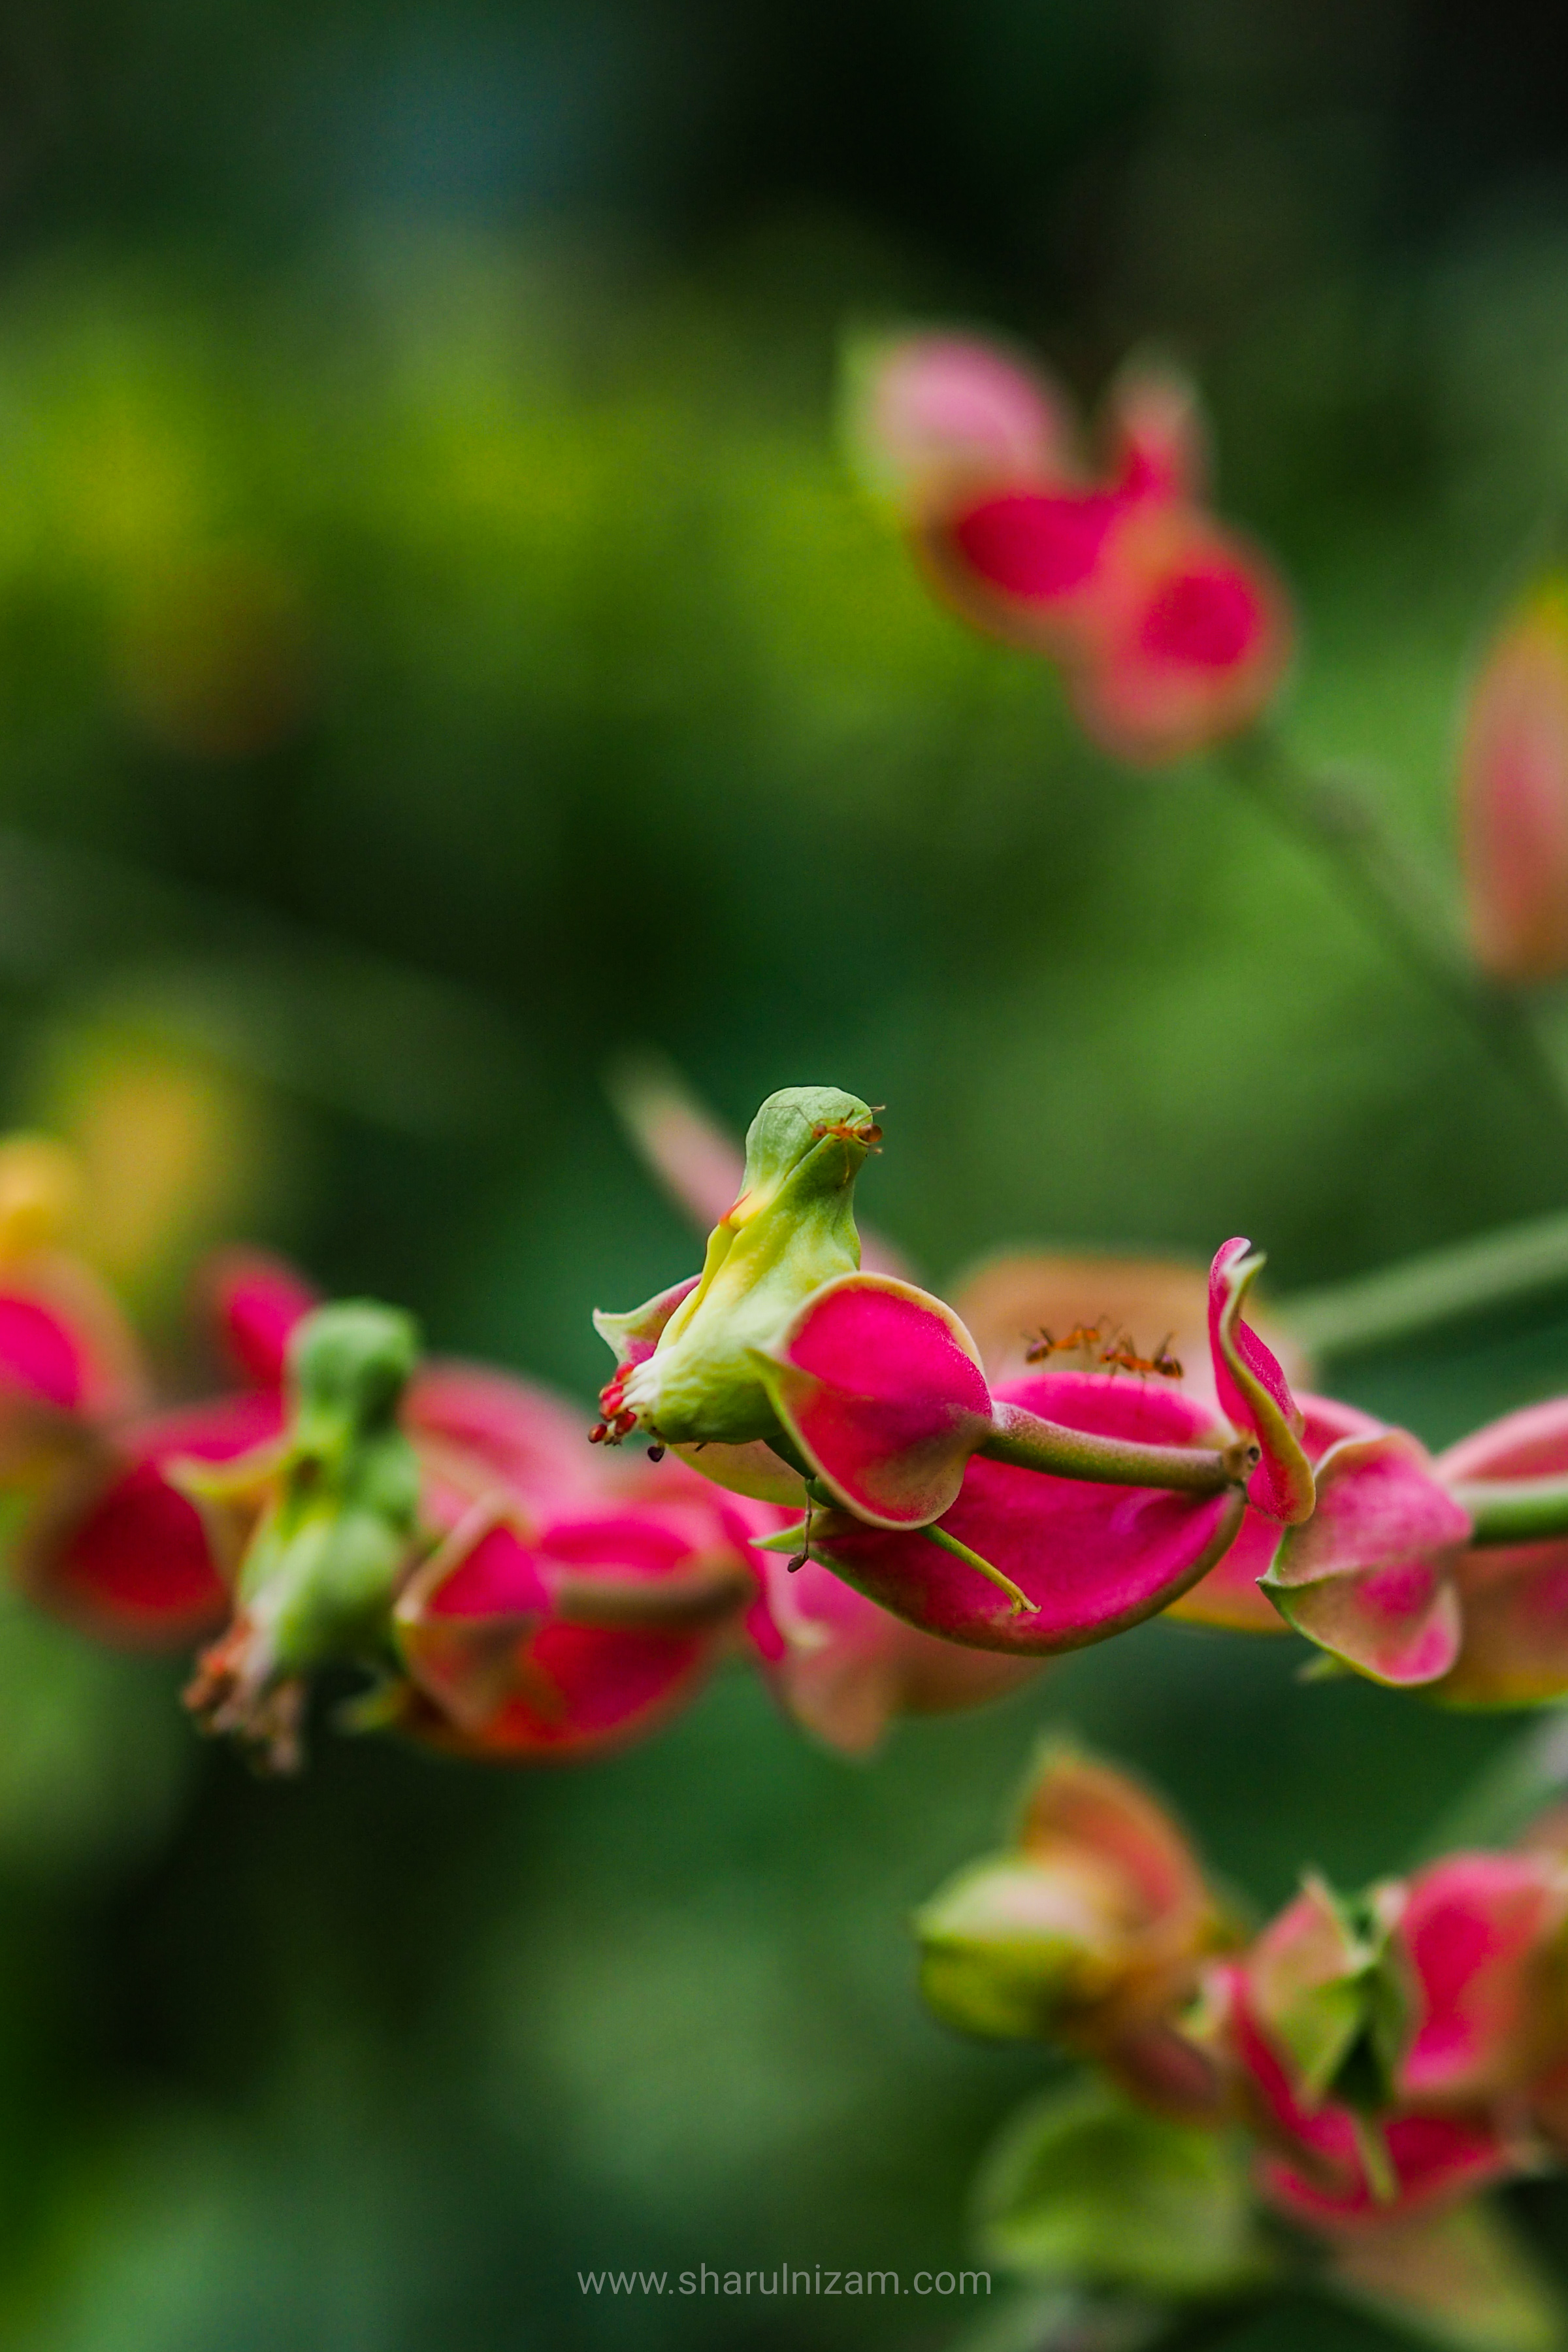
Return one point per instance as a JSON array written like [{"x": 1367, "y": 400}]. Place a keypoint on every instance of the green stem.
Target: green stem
[
  {"x": 1392, "y": 893},
  {"x": 1459, "y": 1279},
  {"x": 1015, "y": 1593},
  {"x": 1514, "y": 1510},
  {"x": 1033, "y": 1443}
]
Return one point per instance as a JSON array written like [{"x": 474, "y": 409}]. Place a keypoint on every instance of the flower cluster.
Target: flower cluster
[
  {"x": 1048, "y": 1511},
  {"x": 882, "y": 1513},
  {"x": 442, "y": 1528},
  {"x": 1360, "y": 2070},
  {"x": 1029, "y": 1509},
  {"x": 1172, "y": 632}
]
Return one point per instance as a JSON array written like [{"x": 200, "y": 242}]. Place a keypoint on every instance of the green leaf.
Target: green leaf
[
  {"x": 1463, "y": 2279},
  {"x": 1085, "y": 2188}
]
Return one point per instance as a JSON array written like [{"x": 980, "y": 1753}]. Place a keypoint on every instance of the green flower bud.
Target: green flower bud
[
  {"x": 324, "y": 1564},
  {"x": 331, "y": 1510},
  {"x": 791, "y": 1229}
]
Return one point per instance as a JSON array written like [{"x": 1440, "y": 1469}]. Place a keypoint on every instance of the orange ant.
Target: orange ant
[
  {"x": 1083, "y": 1335},
  {"x": 1122, "y": 1357},
  {"x": 866, "y": 1133}
]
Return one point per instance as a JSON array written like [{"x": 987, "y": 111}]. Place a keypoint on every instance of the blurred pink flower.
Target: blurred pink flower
[
  {"x": 1513, "y": 1597},
  {"x": 1432, "y": 2005},
  {"x": 560, "y": 1636},
  {"x": 125, "y": 1553},
  {"x": 1513, "y": 792},
  {"x": 845, "y": 1669},
  {"x": 1091, "y": 1927},
  {"x": 1173, "y": 631}
]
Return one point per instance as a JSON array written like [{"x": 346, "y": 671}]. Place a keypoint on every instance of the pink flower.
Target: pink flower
[
  {"x": 1395, "y": 1575},
  {"x": 1513, "y": 793},
  {"x": 1389, "y": 2047},
  {"x": 1513, "y": 1598},
  {"x": 927, "y": 416},
  {"x": 560, "y": 1638},
  {"x": 1092, "y": 1928},
  {"x": 1370, "y": 1576},
  {"x": 843, "y": 1668},
  {"x": 1233, "y": 1595},
  {"x": 946, "y": 1509},
  {"x": 1172, "y": 630},
  {"x": 125, "y": 1554}
]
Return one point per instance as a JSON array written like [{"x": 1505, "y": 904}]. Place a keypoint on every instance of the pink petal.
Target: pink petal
[
  {"x": 465, "y": 1614},
  {"x": 633, "y": 1338},
  {"x": 1436, "y": 2159},
  {"x": 1253, "y": 1390},
  {"x": 844, "y": 1669},
  {"x": 40, "y": 1356},
  {"x": 1314, "y": 2169},
  {"x": 1035, "y": 547},
  {"x": 256, "y": 1300},
  {"x": 1378, "y": 1505},
  {"x": 1294, "y": 1979},
  {"x": 930, "y": 411},
  {"x": 1094, "y": 1559},
  {"x": 1532, "y": 1443},
  {"x": 880, "y": 1386},
  {"x": 1369, "y": 1577},
  {"x": 1476, "y": 1927},
  {"x": 1514, "y": 1602},
  {"x": 1513, "y": 795},
  {"x": 1077, "y": 1803},
  {"x": 136, "y": 1568},
  {"x": 1228, "y": 1595},
  {"x": 582, "y": 1692},
  {"x": 525, "y": 1436},
  {"x": 499, "y": 1576},
  {"x": 1186, "y": 641},
  {"x": 1398, "y": 1624}
]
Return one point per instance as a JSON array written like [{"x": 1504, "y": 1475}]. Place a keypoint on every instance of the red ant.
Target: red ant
[
  {"x": 1084, "y": 1335},
  {"x": 1122, "y": 1357}
]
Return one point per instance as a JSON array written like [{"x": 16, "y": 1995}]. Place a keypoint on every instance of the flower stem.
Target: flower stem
[
  {"x": 1031, "y": 1442},
  {"x": 1461, "y": 1278},
  {"x": 1514, "y": 1510},
  {"x": 1392, "y": 891}
]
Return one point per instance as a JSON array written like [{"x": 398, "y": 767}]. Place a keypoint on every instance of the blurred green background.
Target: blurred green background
[{"x": 439, "y": 649}]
